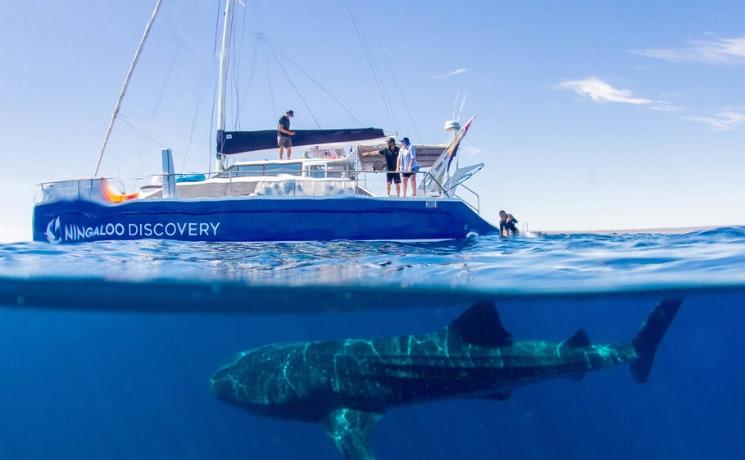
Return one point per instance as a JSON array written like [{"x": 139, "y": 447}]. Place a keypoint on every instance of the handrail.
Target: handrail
[
  {"x": 349, "y": 174},
  {"x": 478, "y": 199}
]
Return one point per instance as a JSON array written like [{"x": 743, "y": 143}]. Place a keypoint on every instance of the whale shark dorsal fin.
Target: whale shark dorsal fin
[
  {"x": 578, "y": 340},
  {"x": 480, "y": 325},
  {"x": 349, "y": 429}
]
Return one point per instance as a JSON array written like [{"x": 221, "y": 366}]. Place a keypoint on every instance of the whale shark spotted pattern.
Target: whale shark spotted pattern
[{"x": 346, "y": 386}]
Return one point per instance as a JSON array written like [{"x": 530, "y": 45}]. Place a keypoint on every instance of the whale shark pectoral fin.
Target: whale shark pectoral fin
[
  {"x": 480, "y": 325},
  {"x": 578, "y": 340},
  {"x": 349, "y": 429}
]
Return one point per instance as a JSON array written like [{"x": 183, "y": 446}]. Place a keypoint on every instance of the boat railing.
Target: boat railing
[
  {"x": 72, "y": 189},
  {"x": 360, "y": 177},
  {"x": 475, "y": 195},
  {"x": 291, "y": 185}
]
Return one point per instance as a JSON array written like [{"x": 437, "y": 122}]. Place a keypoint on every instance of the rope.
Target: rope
[
  {"x": 163, "y": 87},
  {"x": 131, "y": 124},
  {"x": 239, "y": 55},
  {"x": 284, "y": 55},
  {"x": 297, "y": 91},
  {"x": 172, "y": 64},
  {"x": 211, "y": 130},
  {"x": 269, "y": 80},
  {"x": 217, "y": 28},
  {"x": 371, "y": 63},
  {"x": 250, "y": 77},
  {"x": 393, "y": 76},
  {"x": 197, "y": 110}
]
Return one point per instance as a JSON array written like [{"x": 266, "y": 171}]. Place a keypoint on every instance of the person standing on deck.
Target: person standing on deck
[
  {"x": 407, "y": 164},
  {"x": 391, "y": 165},
  {"x": 284, "y": 135}
]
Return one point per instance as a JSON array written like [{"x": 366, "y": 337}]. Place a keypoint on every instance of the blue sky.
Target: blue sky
[{"x": 591, "y": 115}]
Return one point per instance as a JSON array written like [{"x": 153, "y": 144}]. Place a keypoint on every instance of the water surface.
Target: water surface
[{"x": 108, "y": 347}]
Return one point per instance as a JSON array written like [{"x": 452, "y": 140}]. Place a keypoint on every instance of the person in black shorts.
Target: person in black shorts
[
  {"x": 284, "y": 135},
  {"x": 391, "y": 161},
  {"x": 507, "y": 224}
]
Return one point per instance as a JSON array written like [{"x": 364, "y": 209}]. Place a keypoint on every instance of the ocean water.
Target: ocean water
[{"x": 107, "y": 348}]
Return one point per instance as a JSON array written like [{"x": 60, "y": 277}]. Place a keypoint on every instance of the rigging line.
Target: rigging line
[
  {"x": 371, "y": 59},
  {"x": 237, "y": 50},
  {"x": 251, "y": 75},
  {"x": 393, "y": 77},
  {"x": 171, "y": 66},
  {"x": 238, "y": 61},
  {"x": 162, "y": 91},
  {"x": 297, "y": 91},
  {"x": 191, "y": 136},
  {"x": 132, "y": 125},
  {"x": 217, "y": 28},
  {"x": 126, "y": 84},
  {"x": 455, "y": 104},
  {"x": 193, "y": 127},
  {"x": 371, "y": 62},
  {"x": 401, "y": 93},
  {"x": 235, "y": 74},
  {"x": 279, "y": 51},
  {"x": 403, "y": 99},
  {"x": 211, "y": 130},
  {"x": 269, "y": 80}
]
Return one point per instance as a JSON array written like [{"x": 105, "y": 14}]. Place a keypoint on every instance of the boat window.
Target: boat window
[
  {"x": 271, "y": 169},
  {"x": 249, "y": 170},
  {"x": 266, "y": 169},
  {"x": 317, "y": 171}
]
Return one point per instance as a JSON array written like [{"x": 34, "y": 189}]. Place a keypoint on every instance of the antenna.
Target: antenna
[
  {"x": 455, "y": 104},
  {"x": 453, "y": 125},
  {"x": 462, "y": 104}
]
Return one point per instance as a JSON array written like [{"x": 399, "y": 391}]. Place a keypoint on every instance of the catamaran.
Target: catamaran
[{"x": 325, "y": 194}]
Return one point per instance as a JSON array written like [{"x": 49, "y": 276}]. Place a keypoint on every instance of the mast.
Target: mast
[
  {"x": 222, "y": 81},
  {"x": 126, "y": 84}
]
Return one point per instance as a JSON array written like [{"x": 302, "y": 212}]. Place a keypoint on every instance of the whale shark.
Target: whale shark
[{"x": 346, "y": 386}]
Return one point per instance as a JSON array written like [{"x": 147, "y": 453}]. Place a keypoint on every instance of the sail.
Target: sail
[
  {"x": 438, "y": 174},
  {"x": 231, "y": 142}
]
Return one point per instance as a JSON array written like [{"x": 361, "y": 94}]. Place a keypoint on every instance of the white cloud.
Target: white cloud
[
  {"x": 662, "y": 106},
  {"x": 600, "y": 91},
  {"x": 721, "y": 51},
  {"x": 722, "y": 121},
  {"x": 452, "y": 73}
]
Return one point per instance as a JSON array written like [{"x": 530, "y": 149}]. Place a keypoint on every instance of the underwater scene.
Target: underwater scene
[{"x": 557, "y": 346}]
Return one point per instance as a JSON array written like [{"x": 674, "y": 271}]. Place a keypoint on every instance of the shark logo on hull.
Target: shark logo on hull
[
  {"x": 53, "y": 231},
  {"x": 346, "y": 386}
]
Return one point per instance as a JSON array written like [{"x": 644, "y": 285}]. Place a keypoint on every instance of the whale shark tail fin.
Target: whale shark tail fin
[
  {"x": 349, "y": 429},
  {"x": 646, "y": 341}
]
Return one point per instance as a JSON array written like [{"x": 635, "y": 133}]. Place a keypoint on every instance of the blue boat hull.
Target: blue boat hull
[{"x": 258, "y": 219}]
